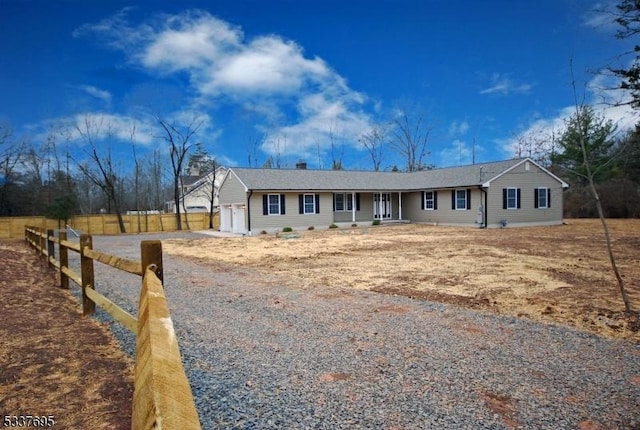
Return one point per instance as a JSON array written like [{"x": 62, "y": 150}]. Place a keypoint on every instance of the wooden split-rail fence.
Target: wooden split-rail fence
[{"x": 162, "y": 396}]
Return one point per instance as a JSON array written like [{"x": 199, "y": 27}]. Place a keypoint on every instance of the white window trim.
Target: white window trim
[
  {"x": 269, "y": 213},
  {"x": 515, "y": 199},
  {"x": 432, "y": 200},
  {"x": 464, "y": 207},
  {"x": 304, "y": 204}
]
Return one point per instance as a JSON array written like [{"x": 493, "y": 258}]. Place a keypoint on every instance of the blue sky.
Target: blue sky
[{"x": 301, "y": 73}]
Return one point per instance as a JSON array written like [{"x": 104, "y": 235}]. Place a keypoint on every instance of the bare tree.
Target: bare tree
[
  {"x": 256, "y": 143},
  {"x": 589, "y": 175},
  {"x": 157, "y": 185},
  {"x": 213, "y": 191},
  {"x": 137, "y": 172},
  {"x": 410, "y": 138},
  {"x": 179, "y": 139},
  {"x": 537, "y": 144},
  {"x": 336, "y": 159},
  {"x": 374, "y": 141},
  {"x": 10, "y": 155},
  {"x": 100, "y": 168}
]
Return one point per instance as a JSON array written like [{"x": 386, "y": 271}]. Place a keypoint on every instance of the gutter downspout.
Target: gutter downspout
[
  {"x": 249, "y": 212},
  {"x": 482, "y": 190}
]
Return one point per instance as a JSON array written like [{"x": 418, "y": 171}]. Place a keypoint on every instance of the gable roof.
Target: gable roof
[
  {"x": 343, "y": 180},
  {"x": 205, "y": 179}
]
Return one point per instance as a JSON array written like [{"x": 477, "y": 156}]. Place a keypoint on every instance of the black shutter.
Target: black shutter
[
  {"x": 518, "y": 198},
  {"x": 468, "y": 199},
  {"x": 435, "y": 200},
  {"x": 422, "y": 202},
  {"x": 535, "y": 198},
  {"x": 504, "y": 198},
  {"x": 301, "y": 203},
  {"x": 317, "y": 203},
  {"x": 334, "y": 202},
  {"x": 281, "y": 204},
  {"x": 357, "y": 201},
  {"x": 453, "y": 199},
  {"x": 265, "y": 205},
  {"x": 548, "y": 197}
]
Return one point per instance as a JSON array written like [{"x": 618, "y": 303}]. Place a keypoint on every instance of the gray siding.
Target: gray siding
[
  {"x": 232, "y": 191},
  {"x": 412, "y": 208},
  {"x": 526, "y": 181},
  {"x": 292, "y": 218}
]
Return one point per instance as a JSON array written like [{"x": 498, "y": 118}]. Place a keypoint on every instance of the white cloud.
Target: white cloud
[
  {"x": 504, "y": 85},
  {"x": 100, "y": 127},
  {"x": 103, "y": 127},
  {"x": 602, "y": 17},
  {"x": 322, "y": 120},
  {"x": 609, "y": 103},
  {"x": 103, "y": 95},
  {"x": 458, "y": 128},
  {"x": 267, "y": 64},
  {"x": 223, "y": 65},
  {"x": 191, "y": 43}
]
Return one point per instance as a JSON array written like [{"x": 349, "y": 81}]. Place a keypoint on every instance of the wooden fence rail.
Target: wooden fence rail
[{"x": 162, "y": 396}]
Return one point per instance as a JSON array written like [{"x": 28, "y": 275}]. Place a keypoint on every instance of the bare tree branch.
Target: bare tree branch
[{"x": 180, "y": 140}]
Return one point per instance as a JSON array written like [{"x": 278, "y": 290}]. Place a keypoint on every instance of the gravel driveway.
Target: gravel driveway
[{"x": 259, "y": 355}]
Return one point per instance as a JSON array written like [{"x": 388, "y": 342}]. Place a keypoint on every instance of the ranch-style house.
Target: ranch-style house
[{"x": 517, "y": 192}]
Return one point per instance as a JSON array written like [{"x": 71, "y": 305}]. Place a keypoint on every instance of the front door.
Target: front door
[{"x": 382, "y": 206}]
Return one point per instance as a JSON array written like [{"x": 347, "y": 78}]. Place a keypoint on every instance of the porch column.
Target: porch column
[
  {"x": 399, "y": 205},
  {"x": 353, "y": 207}
]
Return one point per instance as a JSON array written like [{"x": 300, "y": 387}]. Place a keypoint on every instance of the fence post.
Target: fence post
[
  {"x": 42, "y": 240},
  {"x": 64, "y": 259},
  {"x": 151, "y": 253},
  {"x": 86, "y": 268},
  {"x": 51, "y": 249}
]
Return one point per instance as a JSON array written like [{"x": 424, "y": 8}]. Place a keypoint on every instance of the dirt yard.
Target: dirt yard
[
  {"x": 556, "y": 274},
  {"x": 55, "y": 363}
]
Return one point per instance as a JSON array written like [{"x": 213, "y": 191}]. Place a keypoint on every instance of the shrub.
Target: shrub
[
  {"x": 354, "y": 225},
  {"x": 333, "y": 226},
  {"x": 286, "y": 229},
  {"x": 263, "y": 232},
  {"x": 376, "y": 222},
  {"x": 310, "y": 227}
]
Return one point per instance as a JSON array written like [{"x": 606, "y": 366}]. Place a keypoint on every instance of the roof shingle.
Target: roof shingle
[{"x": 344, "y": 180}]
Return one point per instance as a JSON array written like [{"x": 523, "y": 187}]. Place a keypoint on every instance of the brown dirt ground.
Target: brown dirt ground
[
  {"x": 53, "y": 360},
  {"x": 559, "y": 274}
]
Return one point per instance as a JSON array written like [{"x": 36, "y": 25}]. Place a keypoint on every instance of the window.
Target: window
[
  {"x": 542, "y": 198},
  {"x": 430, "y": 200},
  {"x": 273, "y": 204},
  {"x": 461, "y": 199},
  {"x": 344, "y": 202},
  {"x": 338, "y": 202},
  {"x": 512, "y": 198},
  {"x": 309, "y": 204}
]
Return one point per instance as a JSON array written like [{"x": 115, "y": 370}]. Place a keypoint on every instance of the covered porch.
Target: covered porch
[{"x": 362, "y": 206}]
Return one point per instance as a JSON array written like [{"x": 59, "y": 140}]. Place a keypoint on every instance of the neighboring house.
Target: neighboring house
[
  {"x": 512, "y": 192},
  {"x": 196, "y": 196}
]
